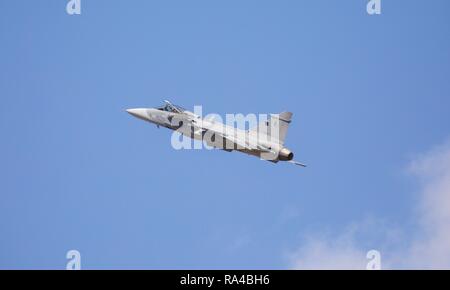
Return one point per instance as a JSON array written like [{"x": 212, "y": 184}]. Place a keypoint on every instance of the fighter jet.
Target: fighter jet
[{"x": 265, "y": 141}]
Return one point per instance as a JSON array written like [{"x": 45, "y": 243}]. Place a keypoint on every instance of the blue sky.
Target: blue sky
[{"x": 369, "y": 94}]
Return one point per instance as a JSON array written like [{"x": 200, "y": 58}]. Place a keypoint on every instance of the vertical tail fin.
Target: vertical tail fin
[
  {"x": 284, "y": 119},
  {"x": 276, "y": 121}
]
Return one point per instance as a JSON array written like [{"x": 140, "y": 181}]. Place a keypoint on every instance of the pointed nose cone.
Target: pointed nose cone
[{"x": 139, "y": 113}]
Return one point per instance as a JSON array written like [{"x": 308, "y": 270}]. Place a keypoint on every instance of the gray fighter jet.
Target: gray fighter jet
[{"x": 266, "y": 140}]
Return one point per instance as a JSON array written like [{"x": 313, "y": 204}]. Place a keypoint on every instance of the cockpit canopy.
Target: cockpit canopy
[{"x": 168, "y": 107}]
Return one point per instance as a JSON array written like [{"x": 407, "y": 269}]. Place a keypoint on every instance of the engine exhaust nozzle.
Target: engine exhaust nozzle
[{"x": 285, "y": 155}]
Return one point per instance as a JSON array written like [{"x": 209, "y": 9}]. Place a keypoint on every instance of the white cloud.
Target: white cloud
[
  {"x": 429, "y": 248},
  {"x": 329, "y": 253}
]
